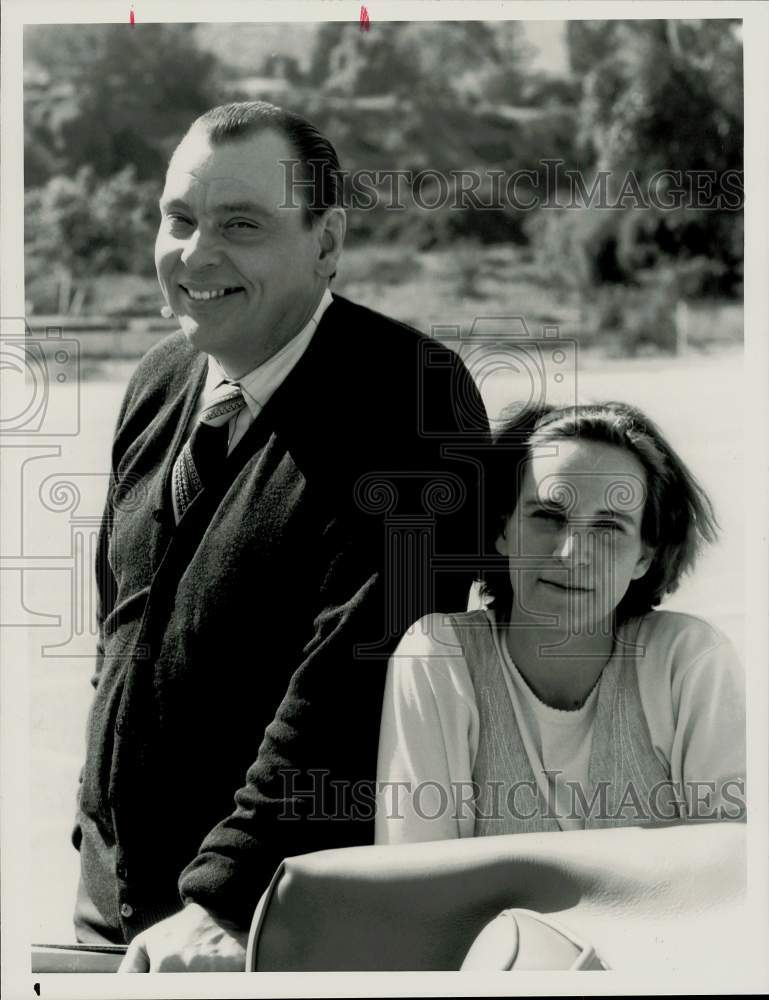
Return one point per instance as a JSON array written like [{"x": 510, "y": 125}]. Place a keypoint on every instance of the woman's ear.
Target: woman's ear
[
  {"x": 644, "y": 561},
  {"x": 501, "y": 543}
]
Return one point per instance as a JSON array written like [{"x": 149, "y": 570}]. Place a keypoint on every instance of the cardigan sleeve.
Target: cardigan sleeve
[
  {"x": 708, "y": 751},
  {"x": 312, "y": 785},
  {"x": 692, "y": 690}
]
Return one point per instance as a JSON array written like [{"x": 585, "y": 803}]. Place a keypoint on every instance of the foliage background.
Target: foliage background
[{"x": 105, "y": 105}]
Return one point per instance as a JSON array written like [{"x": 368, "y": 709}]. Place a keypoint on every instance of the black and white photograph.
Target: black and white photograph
[{"x": 385, "y": 395}]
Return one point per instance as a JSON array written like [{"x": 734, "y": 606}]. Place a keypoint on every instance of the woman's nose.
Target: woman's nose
[{"x": 573, "y": 545}]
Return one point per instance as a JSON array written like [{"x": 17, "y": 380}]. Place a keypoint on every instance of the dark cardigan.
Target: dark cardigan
[{"x": 243, "y": 652}]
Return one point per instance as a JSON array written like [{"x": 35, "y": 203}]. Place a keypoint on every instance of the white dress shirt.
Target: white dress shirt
[{"x": 261, "y": 382}]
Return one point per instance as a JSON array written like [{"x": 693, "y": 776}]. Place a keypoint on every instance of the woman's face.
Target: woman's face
[{"x": 573, "y": 541}]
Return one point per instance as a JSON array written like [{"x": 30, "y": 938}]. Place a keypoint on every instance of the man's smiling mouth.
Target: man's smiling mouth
[{"x": 206, "y": 294}]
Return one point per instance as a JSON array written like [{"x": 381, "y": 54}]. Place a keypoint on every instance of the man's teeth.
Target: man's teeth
[{"x": 216, "y": 293}]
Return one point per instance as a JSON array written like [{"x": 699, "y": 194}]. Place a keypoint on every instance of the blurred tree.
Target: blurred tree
[
  {"x": 663, "y": 95},
  {"x": 433, "y": 96},
  {"x": 278, "y": 66},
  {"x": 587, "y": 44},
  {"x": 77, "y": 227},
  {"x": 424, "y": 61},
  {"x": 116, "y": 95}
]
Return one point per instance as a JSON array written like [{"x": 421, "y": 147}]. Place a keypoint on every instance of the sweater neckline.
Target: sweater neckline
[{"x": 549, "y": 713}]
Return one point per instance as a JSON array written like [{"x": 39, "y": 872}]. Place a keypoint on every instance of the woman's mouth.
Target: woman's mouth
[{"x": 568, "y": 587}]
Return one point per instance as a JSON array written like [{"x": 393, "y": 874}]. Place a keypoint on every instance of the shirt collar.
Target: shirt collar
[{"x": 261, "y": 382}]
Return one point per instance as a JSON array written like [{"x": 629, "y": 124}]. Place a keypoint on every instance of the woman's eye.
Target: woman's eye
[
  {"x": 552, "y": 516},
  {"x": 608, "y": 525}
]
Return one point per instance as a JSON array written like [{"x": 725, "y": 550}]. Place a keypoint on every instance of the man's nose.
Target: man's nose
[{"x": 200, "y": 251}]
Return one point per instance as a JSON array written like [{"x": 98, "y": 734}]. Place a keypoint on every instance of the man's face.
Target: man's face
[
  {"x": 240, "y": 273},
  {"x": 574, "y": 540}
]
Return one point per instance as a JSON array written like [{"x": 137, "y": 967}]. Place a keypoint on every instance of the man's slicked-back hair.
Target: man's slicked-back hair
[{"x": 317, "y": 162}]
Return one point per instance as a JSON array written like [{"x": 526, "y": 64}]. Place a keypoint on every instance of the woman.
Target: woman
[{"x": 568, "y": 702}]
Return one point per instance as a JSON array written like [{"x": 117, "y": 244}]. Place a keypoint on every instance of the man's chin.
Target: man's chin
[{"x": 201, "y": 338}]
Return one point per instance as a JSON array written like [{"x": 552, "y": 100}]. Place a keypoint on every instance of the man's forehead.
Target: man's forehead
[
  {"x": 243, "y": 169},
  {"x": 212, "y": 187}
]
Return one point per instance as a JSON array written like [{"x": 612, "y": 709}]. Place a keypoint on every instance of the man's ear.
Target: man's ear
[
  {"x": 332, "y": 226},
  {"x": 501, "y": 543},
  {"x": 644, "y": 561}
]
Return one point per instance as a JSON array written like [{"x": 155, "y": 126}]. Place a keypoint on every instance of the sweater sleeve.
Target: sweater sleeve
[
  {"x": 708, "y": 753},
  {"x": 693, "y": 692},
  {"x": 427, "y": 741}
]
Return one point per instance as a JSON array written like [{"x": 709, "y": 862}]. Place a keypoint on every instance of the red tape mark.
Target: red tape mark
[{"x": 365, "y": 22}]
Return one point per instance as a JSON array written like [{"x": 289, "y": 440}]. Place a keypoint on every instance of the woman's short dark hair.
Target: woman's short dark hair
[
  {"x": 318, "y": 164},
  {"x": 677, "y": 518}
]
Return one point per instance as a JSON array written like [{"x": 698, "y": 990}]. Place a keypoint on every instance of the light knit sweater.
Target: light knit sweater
[{"x": 691, "y": 691}]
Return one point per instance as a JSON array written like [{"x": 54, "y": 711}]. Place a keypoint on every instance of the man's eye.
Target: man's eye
[
  {"x": 242, "y": 224},
  {"x": 177, "y": 222}
]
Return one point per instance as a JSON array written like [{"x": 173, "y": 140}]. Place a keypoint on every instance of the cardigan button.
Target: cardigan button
[
  {"x": 126, "y": 910},
  {"x": 159, "y": 515}
]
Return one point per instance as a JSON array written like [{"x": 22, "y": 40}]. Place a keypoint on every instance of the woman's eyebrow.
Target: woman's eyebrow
[
  {"x": 558, "y": 503},
  {"x": 550, "y": 503},
  {"x": 618, "y": 515}
]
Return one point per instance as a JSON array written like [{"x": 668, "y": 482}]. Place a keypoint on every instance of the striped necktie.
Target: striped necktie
[{"x": 206, "y": 448}]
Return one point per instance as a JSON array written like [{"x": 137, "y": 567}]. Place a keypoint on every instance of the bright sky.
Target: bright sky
[{"x": 548, "y": 37}]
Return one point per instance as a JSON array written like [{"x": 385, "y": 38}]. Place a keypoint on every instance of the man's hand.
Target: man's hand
[{"x": 190, "y": 941}]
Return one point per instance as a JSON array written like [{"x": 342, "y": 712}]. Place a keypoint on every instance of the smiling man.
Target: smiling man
[
  {"x": 269, "y": 534},
  {"x": 242, "y": 274}
]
